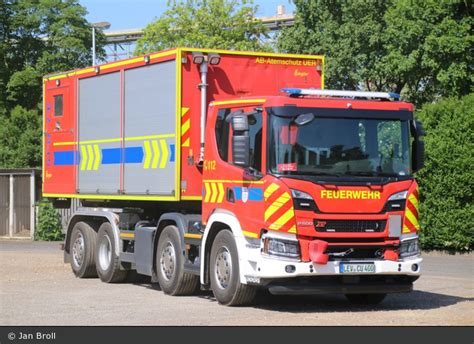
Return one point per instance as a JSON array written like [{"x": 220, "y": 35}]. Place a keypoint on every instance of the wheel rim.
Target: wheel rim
[
  {"x": 78, "y": 248},
  {"x": 105, "y": 253},
  {"x": 223, "y": 268},
  {"x": 168, "y": 261}
]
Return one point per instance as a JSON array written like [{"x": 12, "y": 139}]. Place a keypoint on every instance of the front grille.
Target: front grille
[{"x": 349, "y": 226}]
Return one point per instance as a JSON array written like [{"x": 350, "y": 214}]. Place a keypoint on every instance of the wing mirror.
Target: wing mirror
[
  {"x": 240, "y": 139},
  {"x": 418, "y": 148}
]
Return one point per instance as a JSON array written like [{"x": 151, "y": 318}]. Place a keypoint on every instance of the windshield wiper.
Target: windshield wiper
[
  {"x": 310, "y": 173},
  {"x": 370, "y": 174}
]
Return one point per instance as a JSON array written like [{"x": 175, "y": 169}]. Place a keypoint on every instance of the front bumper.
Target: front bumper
[{"x": 259, "y": 269}]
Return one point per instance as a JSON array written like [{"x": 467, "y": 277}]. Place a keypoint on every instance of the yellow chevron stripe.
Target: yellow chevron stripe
[
  {"x": 405, "y": 229},
  {"x": 97, "y": 157},
  {"x": 208, "y": 192},
  {"x": 146, "y": 145},
  {"x": 185, "y": 127},
  {"x": 283, "y": 219},
  {"x": 270, "y": 190},
  {"x": 413, "y": 200},
  {"x": 83, "y": 157},
  {"x": 165, "y": 155},
  {"x": 281, "y": 201},
  {"x": 184, "y": 111},
  {"x": 156, "y": 154},
  {"x": 414, "y": 221},
  {"x": 186, "y": 143},
  {"x": 292, "y": 229},
  {"x": 214, "y": 192},
  {"x": 250, "y": 234},
  {"x": 221, "y": 192},
  {"x": 90, "y": 152}
]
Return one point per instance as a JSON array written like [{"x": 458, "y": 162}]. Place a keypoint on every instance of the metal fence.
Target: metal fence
[{"x": 67, "y": 213}]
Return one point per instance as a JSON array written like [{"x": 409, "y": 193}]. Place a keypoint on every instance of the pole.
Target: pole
[
  {"x": 11, "y": 215},
  {"x": 203, "y": 87},
  {"x": 93, "y": 46},
  {"x": 32, "y": 204}
]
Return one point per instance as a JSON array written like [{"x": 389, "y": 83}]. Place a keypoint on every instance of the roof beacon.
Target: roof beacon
[{"x": 335, "y": 93}]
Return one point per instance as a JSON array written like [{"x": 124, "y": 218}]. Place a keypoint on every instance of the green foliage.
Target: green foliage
[
  {"x": 49, "y": 223},
  {"x": 218, "y": 24},
  {"x": 447, "y": 180},
  {"x": 418, "y": 48},
  {"x": 20, "y": 138},
  {"x": 37, "y": 37}
]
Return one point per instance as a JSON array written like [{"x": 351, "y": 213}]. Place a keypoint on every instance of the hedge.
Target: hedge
[{"x": 447, "y": 180}]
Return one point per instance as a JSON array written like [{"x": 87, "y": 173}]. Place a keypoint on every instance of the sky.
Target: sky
[{"x": 136, "y": 14}]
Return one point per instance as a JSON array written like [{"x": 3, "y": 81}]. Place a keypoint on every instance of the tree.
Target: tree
[
  {"x": 37, "y": 37},
  {"x": 418, "y": 48},
  {"x": 219, "y": 24},
  {"x": 447, "y": 180}
]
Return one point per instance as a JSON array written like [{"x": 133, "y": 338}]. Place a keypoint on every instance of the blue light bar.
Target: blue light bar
[{"x": 337, "y": 93}]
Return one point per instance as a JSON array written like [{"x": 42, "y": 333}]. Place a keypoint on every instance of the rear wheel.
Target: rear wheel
[
  {"x": 82, "y": 250},
  {"x": 107, "y": 261},
  {"x": 225, "y": 274},
  {"x": 170, "y": 265},
  {"x": 367, "y": 299}
]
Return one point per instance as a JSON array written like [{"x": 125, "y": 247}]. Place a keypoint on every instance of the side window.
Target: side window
[
  {"x": 58, "y": 105},
  {"x": 255, "y": 132},
  {"x": 222, "y": 133}
]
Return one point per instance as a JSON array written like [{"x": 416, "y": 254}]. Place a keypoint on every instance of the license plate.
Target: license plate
[{"x": 345, "y": 268}]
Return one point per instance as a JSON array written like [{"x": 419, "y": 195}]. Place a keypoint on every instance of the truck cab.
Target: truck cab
[{"x": 320, "y": 188}]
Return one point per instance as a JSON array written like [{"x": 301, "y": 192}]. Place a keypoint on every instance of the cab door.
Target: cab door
[
  {"x": 60, "y": 155},
  {"x": 230, "y": 187}
]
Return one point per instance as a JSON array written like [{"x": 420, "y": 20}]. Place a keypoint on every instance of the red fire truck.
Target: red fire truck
[{"x": 233, "y": 171}]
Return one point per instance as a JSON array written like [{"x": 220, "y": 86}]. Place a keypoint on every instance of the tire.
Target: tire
[
  {"x": 107, "y": 261},
  {"x": 225, "y": 274},
  {"x": 82, "y": 249},
  {"x": 366, "y": 299},
  {"x": 170, "y": 265}
]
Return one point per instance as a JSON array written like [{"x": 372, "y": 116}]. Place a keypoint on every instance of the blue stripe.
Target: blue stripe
[
  {"x": 238, "y": 193},
  {"x": 172, "y": 153},
  {"x": 255, "y": 194},
  {"x": 111, "y": 156},
  {"x": 133, "y": 155},
  {"x": 64, "y": 158}
]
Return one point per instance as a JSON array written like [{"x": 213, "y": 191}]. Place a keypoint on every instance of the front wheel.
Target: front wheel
[
  {"x": 366, "y": 299},
  {"x": 225, "y": 273}
]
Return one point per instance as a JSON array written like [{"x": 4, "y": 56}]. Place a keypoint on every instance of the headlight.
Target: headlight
[
  {"x": 409, "y": 248},
  {"x": 281, "y": 248},
  {"x": 300, "y": 194},
  {"x": 398, "y": 196},
  {"x": 303, "y": 200}
]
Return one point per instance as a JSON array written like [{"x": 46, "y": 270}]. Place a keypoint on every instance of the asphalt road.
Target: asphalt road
[{"x": 37, "y": 288}]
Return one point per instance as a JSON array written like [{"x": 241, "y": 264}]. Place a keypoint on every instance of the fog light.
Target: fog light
[
  {"x": 290, "y": 269},
  {"x": 414, "y": 267}
]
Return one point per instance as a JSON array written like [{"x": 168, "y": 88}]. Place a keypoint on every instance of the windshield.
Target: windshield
[{"x": 339, "y": 146}]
